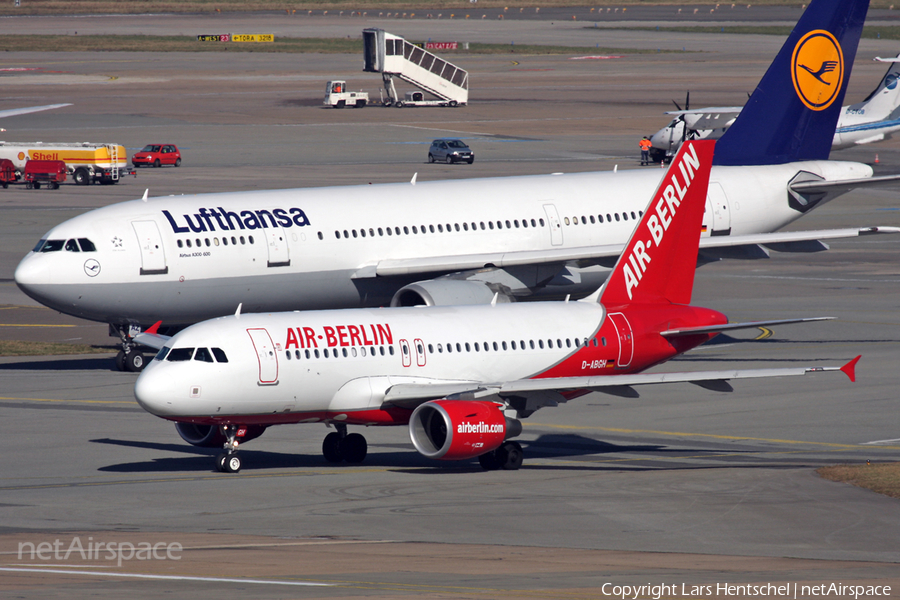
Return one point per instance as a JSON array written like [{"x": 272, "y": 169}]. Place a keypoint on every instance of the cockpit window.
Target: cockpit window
[
  {"x": 220, "y": 355},
  {"x": 72, "y": 246},
  {"x": 87, "y": 245},
  {"x": 161, "y": 355},
  {"x": 180, "y": 354},
  {"x": 50, "y": 245},
  {"x": 203, "y": 355}
]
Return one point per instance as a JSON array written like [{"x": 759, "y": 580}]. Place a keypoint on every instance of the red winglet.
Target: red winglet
[
  {"x": 850, "y": 368},
  {"x": 154, "y": 328}
]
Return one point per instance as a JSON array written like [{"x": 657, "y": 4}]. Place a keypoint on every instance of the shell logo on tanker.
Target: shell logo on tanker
[
  {"x": 372, "y": 334},
  {"x": 38, "y": 155},
  {"x": 21, "y": 156}
]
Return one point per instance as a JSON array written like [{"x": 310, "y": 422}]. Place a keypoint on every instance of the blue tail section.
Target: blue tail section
[{"x": 794, "y": 110}]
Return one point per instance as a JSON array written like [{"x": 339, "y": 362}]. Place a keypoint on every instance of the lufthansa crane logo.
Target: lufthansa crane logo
[{"x": 817, "y": 69}]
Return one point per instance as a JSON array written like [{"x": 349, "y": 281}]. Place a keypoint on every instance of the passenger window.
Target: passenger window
[
  {"x": 72, "y": 246},
  {"x": 203, "y": 355},
  {"x": 180, "y": 354},
  {"x": 220, "y": 355},
  {"x": 86, "y": 245}
]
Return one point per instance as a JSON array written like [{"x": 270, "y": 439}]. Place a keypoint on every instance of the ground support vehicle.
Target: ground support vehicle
[
  {"x": 47, "y": 173},
  {"x": 157, "y": 155},
  {"x": 8, "y": 173},
  {"x": 86, "y": 162},
  {"x": 337, "y": 96},
  {"x": 417, "y": 98}
]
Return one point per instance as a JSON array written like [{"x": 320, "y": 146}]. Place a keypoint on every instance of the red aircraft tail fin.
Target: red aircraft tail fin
[{"x": 660, "y": 258}]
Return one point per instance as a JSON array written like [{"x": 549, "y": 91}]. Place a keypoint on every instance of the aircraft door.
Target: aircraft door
[
  {"x": 556, "y": 234},
  {"x": 278, "y": 248},
  {"x": 405, "y": 353},
  {"x": 626, "y": 339},
  {"x": 153, "y": 257},
  {"x": 420, "y": 352},
  {"x": 721, "y": 212},
  {"x": 265, "y": 353}
]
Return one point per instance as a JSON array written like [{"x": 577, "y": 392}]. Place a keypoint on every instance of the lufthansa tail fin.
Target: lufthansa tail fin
[
  {"x": 659, "y": 260},
  {"x": 793, "y": 112}
]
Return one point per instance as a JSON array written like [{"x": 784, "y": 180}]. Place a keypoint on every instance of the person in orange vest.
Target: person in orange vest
[{"x": 645, "y": 150}]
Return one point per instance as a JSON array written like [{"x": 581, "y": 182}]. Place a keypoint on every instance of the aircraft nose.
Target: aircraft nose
[
  {"x": 152, "y": 392},
  {"x": 32, "y": 272}
]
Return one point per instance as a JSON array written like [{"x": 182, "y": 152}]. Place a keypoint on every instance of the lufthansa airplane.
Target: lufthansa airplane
[
  {"x": 189, "y": 258},
  {"x": 459, "y": 377},
  {"x": 874, "y": 119}
]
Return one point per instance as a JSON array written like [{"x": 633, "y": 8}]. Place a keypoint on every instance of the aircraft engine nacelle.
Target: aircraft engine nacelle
[
  {"x": 443, "y": 292},
  {"x": 209, "y": 436},
  {"x": 459, "y": 429}
]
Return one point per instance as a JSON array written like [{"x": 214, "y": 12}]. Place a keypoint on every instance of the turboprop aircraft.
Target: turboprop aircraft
[
  {"x": 189, "y": 258},
  {"x": 874, "y": 119},
  {"x": 459, "y": 377}
]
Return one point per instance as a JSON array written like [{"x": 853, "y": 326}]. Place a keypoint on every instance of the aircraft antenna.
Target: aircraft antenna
[
  {"x": 146, "y": 193},
  {"x": 413, "y": 180},
  {"x": 494, "y": 299},
  {"x": 237, "y": 313}
]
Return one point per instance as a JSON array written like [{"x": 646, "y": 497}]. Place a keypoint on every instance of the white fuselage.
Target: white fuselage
[{"x": 184, "y": 259}]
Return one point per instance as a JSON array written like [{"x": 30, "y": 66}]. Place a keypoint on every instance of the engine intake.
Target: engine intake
[
  {"x": 443, "y": 292},
  {"x": 459, "y": 429}
]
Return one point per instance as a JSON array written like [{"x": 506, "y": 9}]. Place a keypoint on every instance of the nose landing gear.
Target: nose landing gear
[{"x": 229, "y": 461}]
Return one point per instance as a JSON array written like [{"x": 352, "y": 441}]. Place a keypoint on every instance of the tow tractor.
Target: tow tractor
[{"x": 337, "y": 96}]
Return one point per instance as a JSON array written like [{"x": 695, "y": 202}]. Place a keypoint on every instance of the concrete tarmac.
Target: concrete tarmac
[{"x": 682, "y": 487}]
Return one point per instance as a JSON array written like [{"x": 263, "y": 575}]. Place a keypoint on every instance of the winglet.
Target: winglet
[
  {"x": 154, "y": 328},
  {"x": 850, "y": 368}
]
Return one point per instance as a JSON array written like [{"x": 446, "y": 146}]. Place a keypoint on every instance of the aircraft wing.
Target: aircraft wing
[
  {"x": 12, "y": 112},
  {"x": 410, "y": 394},
  {"x": 708, "y": 118},
  {"x": 839, "y": 187},
  {"x": 151, "y": 338},
  {"x": 789, "y": 241}
]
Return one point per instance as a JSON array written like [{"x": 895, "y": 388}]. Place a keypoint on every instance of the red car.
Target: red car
[{"x": 157, "y": 155}]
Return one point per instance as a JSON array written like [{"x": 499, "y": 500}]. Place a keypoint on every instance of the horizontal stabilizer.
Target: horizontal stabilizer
[
  {"x": 734, "y": 326},
  {"x": 807, "y": 187}
]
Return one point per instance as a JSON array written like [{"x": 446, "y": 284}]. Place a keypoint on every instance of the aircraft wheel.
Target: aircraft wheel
[
  {"x": 232, "y": 463},
  {"x": 120, "y": 360},
  {"x": 488, "y": 461},
  {"x": 509, "y": 456},
  {"x": 331, "y": 447},
  {"x": 220, "y": 463},
  {"x": 354, "y": 448},
  {"x": 134, "y": 361}
]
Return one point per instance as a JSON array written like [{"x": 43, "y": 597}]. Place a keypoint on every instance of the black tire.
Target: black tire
[
  {"x": 232, "y": 463},
  {"x": 360, "y": 104},
  {"x": 449, "y": 160},
  {"x": 452, "y": 104},
  {"x": 5, "y": 185},
  {"x": 220, "y": 463},
  {"x": 37, "y": 185},
  {"x": 81, "y": 176},
  {"x": 470, "y": 161},
  {"x": 54, "y": 185},
  {"x": 120, "y": 360},
  {"x": 331, "y": 447},
  {"x": 399, "y": 104},
  {"x": 488, "y": 461},
  {"x": 178, "y": 162},
  {"x": 510, "y": 455},
  {"x": 29, "y": 186},
  {"x": 430, "y": 157},
  {"x": 156, "y": 164},
  {"x": 134, "y": 361},
  {"x": 136, "y": 165},
  {"x": 354, "y": 448}
]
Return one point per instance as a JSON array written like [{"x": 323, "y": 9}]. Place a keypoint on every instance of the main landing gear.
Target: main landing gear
[
  {"x": 229, "y": 461},
  {"x": 507, "y": 457},
  {"x": 340, "y": 446}
]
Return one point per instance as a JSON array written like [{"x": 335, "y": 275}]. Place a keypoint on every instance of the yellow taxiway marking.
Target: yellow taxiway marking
[
  {"x": 11, "y": 399},
  {"x": 33, "y": 325},
  {"x": 708, "y": 435}
]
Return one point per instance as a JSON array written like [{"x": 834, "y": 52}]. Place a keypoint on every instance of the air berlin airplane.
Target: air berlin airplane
[{"x": 459, "y": 377}]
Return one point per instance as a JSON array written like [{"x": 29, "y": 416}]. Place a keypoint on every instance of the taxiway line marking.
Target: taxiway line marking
[
  {"x": 8, "y": 399},
  {"x": 168, "y": 577},
  {"x": 713, "y": 436},
  {"x": 33, "y": 325}
]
